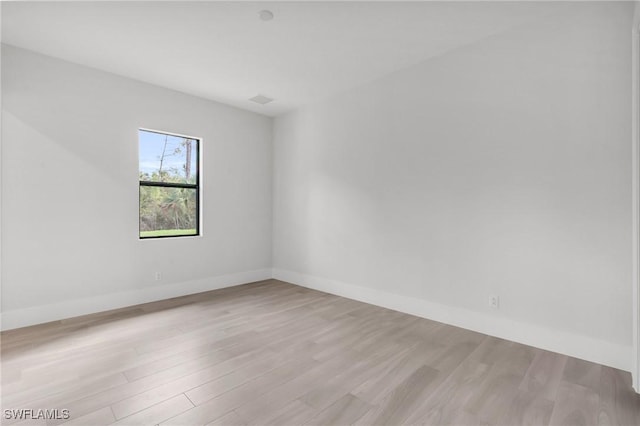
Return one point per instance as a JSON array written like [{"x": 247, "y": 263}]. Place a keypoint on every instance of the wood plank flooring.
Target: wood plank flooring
[{"x": 271, "y": 353}]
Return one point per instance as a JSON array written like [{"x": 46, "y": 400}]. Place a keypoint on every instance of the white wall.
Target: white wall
[
  {"x": 70, "y": 192},
  {"x": 635, "y": 118},
  {"x": 501, "y": 168}
]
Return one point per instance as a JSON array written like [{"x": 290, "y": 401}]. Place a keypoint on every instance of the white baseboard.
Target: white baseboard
[
  {"x": 575, "y": 345},
  {"x": 579, "y": 346},
  {"x": 76, "y": 307}
]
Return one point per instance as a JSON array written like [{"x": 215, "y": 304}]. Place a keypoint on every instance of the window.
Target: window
[{"x": 169, "y": 185}]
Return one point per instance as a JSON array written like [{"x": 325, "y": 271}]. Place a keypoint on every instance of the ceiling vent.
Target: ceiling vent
[{"x": 261, "y": 99}]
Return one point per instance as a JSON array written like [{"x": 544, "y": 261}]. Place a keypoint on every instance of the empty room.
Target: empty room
[{"x": 320, "y": 213}]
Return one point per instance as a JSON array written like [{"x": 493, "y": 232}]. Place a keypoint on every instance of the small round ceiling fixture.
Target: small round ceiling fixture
[{"x": 266, "y": 15}]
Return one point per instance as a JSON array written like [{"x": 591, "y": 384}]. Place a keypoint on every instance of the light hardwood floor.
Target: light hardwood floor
[{"x": 277, "y": 354}]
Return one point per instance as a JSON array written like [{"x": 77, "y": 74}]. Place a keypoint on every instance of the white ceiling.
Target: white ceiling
[{"x": 222, "y": 51}]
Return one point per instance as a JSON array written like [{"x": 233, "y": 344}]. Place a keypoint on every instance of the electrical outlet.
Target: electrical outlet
[
  {"x": 158, "y": 276},
  {"x": 494, "y": 302}
]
